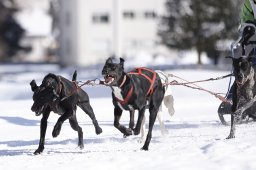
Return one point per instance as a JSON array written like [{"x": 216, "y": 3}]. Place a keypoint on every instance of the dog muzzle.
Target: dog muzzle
[{"x": 109, "y": 79}]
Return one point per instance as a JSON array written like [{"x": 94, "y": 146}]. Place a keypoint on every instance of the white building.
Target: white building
[{"x": 92, "y": 30}]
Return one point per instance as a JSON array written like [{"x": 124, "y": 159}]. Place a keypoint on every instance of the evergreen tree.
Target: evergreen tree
[{"x": 199, "y": 24}]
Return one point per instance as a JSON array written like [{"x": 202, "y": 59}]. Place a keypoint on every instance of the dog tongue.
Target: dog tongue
[{"x": 109, "y": 80}]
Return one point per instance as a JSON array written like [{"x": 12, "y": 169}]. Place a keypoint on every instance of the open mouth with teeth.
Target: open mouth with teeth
[
  {"x": 109, "y": 79},
  {"x": 239, "y": 82}
]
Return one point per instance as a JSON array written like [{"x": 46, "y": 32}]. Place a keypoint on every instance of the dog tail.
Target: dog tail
[{"x": 74, "y": 76}]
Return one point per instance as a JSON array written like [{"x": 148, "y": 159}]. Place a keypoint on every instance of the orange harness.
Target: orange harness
[
  {"x": 139, "y": 72},
  {"x": 151, "y": 80}
]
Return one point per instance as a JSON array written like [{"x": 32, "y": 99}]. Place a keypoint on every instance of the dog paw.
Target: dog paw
[
  {"x": 136, "y": 131},
  {"x": 144, "y": 148},
  {"x": 98, "y": 130},
  {"x": 128, "y": 132},
  {"x": 56, "y": 130},
  {"x": 39, "y": 151},
  {"x": 81, "y": 146},
  {"x": 231, "y": 136}
]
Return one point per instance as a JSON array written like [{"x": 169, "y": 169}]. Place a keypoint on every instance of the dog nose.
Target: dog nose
[
  {"x": 240, "y": 77},
  {"x": 33, "y": 108}
]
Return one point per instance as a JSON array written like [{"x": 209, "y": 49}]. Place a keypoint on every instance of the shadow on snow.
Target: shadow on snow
[{"x": 20, "y": 121}]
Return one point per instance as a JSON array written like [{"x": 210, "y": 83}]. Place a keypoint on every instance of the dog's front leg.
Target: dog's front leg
[
  {"x": 139, "y": 121},
  {"x": 57, "y": 127},
  {"x": 235, "y": 118},
  {"x": 233, "y": 113},
  {"x": 121, "y": 128},
  {"x": 233, "y": 127},
  {"x": 43, "y": 127}
]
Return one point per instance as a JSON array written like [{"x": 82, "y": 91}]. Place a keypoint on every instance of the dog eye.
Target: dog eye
[{"x": 244, "y": 65}]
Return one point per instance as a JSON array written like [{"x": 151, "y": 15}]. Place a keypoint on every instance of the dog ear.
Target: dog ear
[
  {"x": 109, "y": 60},
  {"x": 122, "y": 62},
  {"x": 74, "y": 76},
  {"x": 33, "y": 85}
]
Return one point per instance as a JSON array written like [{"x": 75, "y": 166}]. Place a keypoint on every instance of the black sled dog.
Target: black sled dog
[
  {"x": 61, "y": 96},
  {"x": 244, "y": 92},
  {"x": 133, "y": 91}
]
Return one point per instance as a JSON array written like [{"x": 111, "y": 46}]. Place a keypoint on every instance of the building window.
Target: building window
[
  {"x": 150, "y": 14},
  {"x": 128, "y": 14},
  {"x": 100, "y": 18}
]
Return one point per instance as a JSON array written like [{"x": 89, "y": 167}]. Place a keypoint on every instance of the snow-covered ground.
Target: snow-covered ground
[{"x": 196, "y": 139}]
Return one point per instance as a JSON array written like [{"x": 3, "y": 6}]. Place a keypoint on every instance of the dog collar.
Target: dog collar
[{"x": 124, "y": 79}]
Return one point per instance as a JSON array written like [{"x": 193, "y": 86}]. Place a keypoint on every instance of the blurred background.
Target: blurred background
[{"x": 84, "y": 33}]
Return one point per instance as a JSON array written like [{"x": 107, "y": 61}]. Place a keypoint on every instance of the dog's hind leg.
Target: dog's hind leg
[
  {"x": 169, "y": 102},
  {"x": 152, "y": 117},
  {"x": 74, "y": 124},
  {"x": 154, "y": 105},
  {"x": 164, "y": 131},
  {"x": 43, "y": 127},
  {"x": 86, "y": 107},
  {"x": 139, "y": 121}
]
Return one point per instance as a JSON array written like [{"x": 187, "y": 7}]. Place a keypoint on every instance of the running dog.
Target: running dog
[
  {"x": 244, "y": 91},
  {"x": 133, "y": 91},
  {"x": 61, "y": 96}
]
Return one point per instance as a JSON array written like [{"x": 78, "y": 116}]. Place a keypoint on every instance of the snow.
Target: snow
[{"x": 196, "y": 139}]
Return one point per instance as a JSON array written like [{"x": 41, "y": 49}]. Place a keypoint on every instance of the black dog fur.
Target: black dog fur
[
  {"x": 244, "y": 91},
  {"x": 61, "y": 96},
  {"x": 121, "y": 84}
]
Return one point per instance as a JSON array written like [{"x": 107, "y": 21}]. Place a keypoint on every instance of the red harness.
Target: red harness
[{"x": 139, "y": 71}]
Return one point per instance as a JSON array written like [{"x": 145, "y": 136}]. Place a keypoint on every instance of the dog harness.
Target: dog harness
[
  {"x": 139, "y": 71},
  {"x": 151, "y": 80}
]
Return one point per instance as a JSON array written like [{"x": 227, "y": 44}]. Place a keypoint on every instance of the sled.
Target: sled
[{"x": 224, "y": 113}]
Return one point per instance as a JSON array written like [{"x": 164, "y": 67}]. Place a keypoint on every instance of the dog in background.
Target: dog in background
[
  {"x": 244, "y": 91},
  {"x": 168, "y": 102},
  {"x": 133, "y": 91},
  {"x": 61, "y": 96}
]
